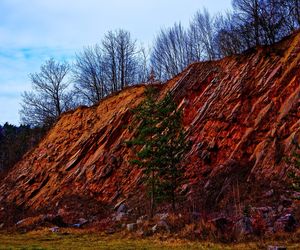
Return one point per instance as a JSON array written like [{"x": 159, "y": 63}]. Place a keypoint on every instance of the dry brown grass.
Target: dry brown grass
[{"x": 78, "y": 239}]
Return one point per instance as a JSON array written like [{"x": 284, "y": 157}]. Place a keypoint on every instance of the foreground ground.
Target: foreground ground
[{"x": 44, "y": 239}]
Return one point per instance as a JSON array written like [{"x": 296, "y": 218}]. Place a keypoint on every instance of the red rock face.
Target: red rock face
[{"x": 241, "y": 113}]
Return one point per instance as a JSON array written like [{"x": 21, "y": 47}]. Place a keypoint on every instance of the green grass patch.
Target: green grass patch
[{"x": 44, "y": 239}]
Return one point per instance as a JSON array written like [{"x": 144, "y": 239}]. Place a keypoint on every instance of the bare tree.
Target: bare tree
[
  {"x": 202, "y": 31},
  {"x": 195, "y": 46},
  {"x": 296, "y": 11},
  {"x": 227, "y": 39},
  {"x": 170, "y": 54},
  {"x": 88, "y": 74},
  {"x": 273, "y": 21},
  {"x": 248, "y": 13},
  {"x": 254, "y": 22},
  {"x": 293, "y": 14},
  {"x": 109, "y": 67},
  {"x": 49, "y": 97},
  {"x": 110, "y": 58},
  {"x": 127, "y": 61},
  {"x": 143, "y": 71},
  {"x": 120, "y": 59}
]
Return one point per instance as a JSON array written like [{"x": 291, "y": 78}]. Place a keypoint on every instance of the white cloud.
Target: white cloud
[{"x": 33, "y": 30}]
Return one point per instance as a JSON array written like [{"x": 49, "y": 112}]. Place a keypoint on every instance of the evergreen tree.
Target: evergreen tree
[
  {"x": 145, "y": 138},
  {"x": 161, "y": 142},
  {"x": 15, "y": 142},
  {"x": 172, "y": 147}
]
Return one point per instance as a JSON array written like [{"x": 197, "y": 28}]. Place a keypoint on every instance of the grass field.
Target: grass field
[{"x": 44, "y": 239}]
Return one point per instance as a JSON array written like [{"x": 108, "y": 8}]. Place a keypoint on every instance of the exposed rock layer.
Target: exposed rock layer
[{"x": 242, "y": 115}]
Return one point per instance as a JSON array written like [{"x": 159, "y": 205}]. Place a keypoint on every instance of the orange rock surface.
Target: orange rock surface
[{"x": 241, "y": 113}]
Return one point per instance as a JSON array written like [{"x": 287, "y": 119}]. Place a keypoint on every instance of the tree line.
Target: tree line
[
  {"x": 98, "y": 71},
  {"x": 118, "y": 61},
  {"x": 250, "y": 23},
  {"x": 15, "y": 141}
]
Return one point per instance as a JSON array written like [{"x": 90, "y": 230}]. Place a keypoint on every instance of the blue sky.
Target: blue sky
[{"x": 32, "y": 31}]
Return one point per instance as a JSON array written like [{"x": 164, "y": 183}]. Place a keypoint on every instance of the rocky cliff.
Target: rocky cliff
[{"x": 241, "y": 113}]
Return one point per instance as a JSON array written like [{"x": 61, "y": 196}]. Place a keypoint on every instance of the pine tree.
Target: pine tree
[
  {"x": 146, "y": 119},
  {"x": 172, "y": 147},
  {"x": 161, "y": 142}
]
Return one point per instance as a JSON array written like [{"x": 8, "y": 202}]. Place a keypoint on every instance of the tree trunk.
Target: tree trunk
[
  {"x": 58, "y": 108},
  {"x": 152, "y": 204},
  {"x": 174, "y": 184},
  {"x": 173, "y": 200}
]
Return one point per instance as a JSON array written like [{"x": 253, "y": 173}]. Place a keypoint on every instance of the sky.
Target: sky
[{"x": 32, "y": 31}]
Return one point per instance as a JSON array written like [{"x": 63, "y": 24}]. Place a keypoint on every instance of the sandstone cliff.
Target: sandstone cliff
[{"x": 241, "y": 113}]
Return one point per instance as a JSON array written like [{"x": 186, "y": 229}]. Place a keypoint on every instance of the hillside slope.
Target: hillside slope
[{"x": 241, "y": 113}]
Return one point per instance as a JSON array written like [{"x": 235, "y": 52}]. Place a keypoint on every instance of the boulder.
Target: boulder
[
  {"x": 81, "y": 222},
  {"x": 243, "y": 226},
  {"x": 120, "y": 216},
  {"x": 141, "y": 219},
  {"x": 122, "y": 208},
  {"x": 162, "y": 216},
  {"x": 280, "y": 208},
  {"x": 54, "y": 229},
  {"x": 119, "y": 204},
  {"x": 20, "y": 222},
  {"x": 269, "y": 193},
  {"x": 131, "y": 227},
  {"x": 32, "y": 222},
  {"x": 286, "y": 223},
  {"x": 161, "y": 226}
]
